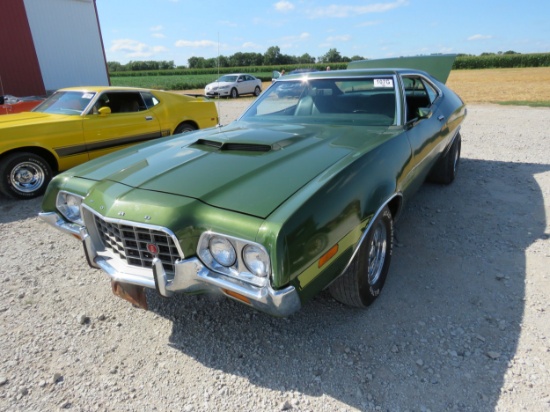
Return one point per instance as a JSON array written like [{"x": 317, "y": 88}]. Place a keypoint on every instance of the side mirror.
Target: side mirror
[
  {"x": 424, "y": 113},
  {"x": 104, "y": 111}
]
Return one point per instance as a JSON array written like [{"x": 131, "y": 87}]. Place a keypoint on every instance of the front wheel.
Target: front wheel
[
  {"x": 234, "y": 93},
  {"x": 24, "y": 175},
  {"x": 184, "y": 128},
  {"x": 257, "y": 91},
  {"x": 364, "y": 279}
]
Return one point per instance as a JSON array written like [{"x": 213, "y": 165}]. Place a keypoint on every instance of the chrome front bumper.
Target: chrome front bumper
[{"x": 190, "y": 276}]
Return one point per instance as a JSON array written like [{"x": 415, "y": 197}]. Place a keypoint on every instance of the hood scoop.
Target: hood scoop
[{"x": 232, "y": 146}]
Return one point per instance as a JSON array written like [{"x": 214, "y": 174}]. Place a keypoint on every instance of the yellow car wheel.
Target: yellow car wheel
[{"x": 24, "y": 175}]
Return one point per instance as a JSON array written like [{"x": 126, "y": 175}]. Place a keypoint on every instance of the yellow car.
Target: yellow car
[{"x": 78, "y": 124}]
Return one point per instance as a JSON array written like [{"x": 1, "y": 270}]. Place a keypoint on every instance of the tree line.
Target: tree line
[{"x": 272, "y": 56}]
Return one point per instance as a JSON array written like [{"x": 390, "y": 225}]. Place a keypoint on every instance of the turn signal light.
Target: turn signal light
[
  {"x": 237, "y": 296},
  {"x": 327, "y": 256}
]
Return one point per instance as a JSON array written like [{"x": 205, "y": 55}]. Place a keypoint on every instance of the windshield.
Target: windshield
[
  {"x": 228, "y": 79},
  {"x": 66, "y": 102},
  {"x": 358, "y": 101}
]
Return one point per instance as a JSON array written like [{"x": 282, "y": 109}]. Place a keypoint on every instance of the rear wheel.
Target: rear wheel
[
  {"x": 184, "y": 128},
  {"x": 257, "y": 91},
  {"x": 24, "y": 175},
  {"x": 445, "y": 169},
  {"x": 234, "y": 93},
  {"x": 364, "y": 279}
]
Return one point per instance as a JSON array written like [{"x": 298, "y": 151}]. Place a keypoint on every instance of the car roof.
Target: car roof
[
  {"x": 99, "y": 89},
  {"x": 331, "y": 74}
]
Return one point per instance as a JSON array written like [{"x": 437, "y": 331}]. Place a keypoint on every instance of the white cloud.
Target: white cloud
[
  {"x": 284, "y": 6},
  {"x": 250, "y": 45},
  {"x": 196, "y": 43},
  {"x": 133, "y": 48},
  {"x": 480, "y": 37},
  {"x": 333, "y": 39},
  {"x": 341, "y": 11},
  {"x": 156, "y": 28},
  {"x": 300, "y": 37},
  {"x": 158, "y": 35}
]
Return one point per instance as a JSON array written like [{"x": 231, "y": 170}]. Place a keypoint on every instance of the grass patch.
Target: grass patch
[{"x": 525, "y": 103}]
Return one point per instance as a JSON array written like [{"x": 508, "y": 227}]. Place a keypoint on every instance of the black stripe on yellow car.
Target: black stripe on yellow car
[{"x": 106, "y": 144}]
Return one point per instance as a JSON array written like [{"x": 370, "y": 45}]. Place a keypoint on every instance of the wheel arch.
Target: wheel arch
[
  {"x": 186, "y": 121},
  {"x": 36, "y": 150}
]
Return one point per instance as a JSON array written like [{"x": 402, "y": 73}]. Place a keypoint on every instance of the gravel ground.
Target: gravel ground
[{"x": 463, "y": 323}]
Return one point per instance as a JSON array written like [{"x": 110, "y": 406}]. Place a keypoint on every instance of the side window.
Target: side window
[
  {"x": 419, "y": 93},
  {"x": 432, "y": 93},
  {"x": 124, "y": 102},
  {"x": 150, "y": 100}
]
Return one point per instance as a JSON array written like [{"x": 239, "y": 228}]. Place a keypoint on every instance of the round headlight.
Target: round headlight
[
  {"x": 69, "y": 206},
  {"x": 256, "y": 260},
  {"x": 222, "y": 251}
]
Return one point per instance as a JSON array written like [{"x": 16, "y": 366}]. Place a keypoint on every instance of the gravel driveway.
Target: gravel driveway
[{"x": 463, "y": 323}]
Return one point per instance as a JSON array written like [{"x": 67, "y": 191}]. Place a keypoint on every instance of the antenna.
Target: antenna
[{"x": 218, "y": 98}]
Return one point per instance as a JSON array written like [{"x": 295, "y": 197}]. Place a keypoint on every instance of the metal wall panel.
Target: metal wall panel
[
  {"x": 68, "y": 42},
  {"x": 19, "y": 70}
]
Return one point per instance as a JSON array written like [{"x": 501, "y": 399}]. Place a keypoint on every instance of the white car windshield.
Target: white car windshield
[
  {"x": 66, "y": 102},
  {"x": 228, "y": 79}
]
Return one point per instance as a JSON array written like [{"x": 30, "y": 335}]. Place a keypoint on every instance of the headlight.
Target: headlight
[
  {"x": 234, "y": 257},
  {"x": 256, "y": 260},
  {"x": 69, "y": 206},
  {"x": 222, "y": 251}
]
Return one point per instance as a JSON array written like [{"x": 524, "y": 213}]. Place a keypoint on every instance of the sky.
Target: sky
[{"x": 175, "y": 30}]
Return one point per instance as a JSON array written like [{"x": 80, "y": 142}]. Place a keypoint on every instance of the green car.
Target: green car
[{"x": 297, "y": 195}]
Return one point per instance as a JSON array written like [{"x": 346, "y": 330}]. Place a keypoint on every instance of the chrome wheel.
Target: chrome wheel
[
  {"x": 27, "y": 177},
  {"x": 377, "y": 253},
  {"x": 364, "y": 278}
]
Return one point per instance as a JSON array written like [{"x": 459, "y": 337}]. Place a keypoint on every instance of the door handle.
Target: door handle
[
  {"x": 441, "y": 118},
  {"x": 148, "y": 118}
]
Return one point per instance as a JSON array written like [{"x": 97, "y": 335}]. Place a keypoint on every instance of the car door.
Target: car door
[
  {"x": 128, "y": 121},
  {"x": 245, "y": 84},
  {"x": 426, "y": 126}
]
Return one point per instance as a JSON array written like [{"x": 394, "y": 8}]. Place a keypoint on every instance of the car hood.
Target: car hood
[
  {"x": 219, "y": 84},
  {"x": 28, "y": 118},
  {"x": 240, "y": 167}
]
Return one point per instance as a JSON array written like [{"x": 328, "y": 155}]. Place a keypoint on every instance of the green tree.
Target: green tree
[
  {"x": 332, "y": 56},
  {"x": 272, "y": 56}
]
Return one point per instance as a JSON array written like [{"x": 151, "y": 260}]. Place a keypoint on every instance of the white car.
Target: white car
[{"x": 234, "y": 85}]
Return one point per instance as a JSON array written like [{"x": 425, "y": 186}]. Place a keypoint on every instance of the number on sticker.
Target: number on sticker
[{"x": 383, "y": 82}]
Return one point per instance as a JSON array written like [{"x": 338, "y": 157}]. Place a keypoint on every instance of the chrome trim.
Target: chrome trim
[
  {"x": 55, "y": 220},
  {"x": 89, "y": 223},
  {"x": 190, "y": 275},
  {"x": 366, "y": 231}
]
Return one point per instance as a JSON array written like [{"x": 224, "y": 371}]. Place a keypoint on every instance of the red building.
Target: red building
[{"x": 47, "y": 45}]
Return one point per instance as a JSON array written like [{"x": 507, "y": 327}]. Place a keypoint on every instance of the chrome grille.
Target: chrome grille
[{"x": 130, "y": 244}]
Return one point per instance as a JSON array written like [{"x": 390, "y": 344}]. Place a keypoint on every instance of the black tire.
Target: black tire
[
  {"x": 445, "y": 169},
  {"x": 184, "y": 128},
  {"x": 24, "y": 175},
  {"x": 364, "y": 279},
  {"x": 234, "y": 93},
  {"x": 257, "y": 91}
]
